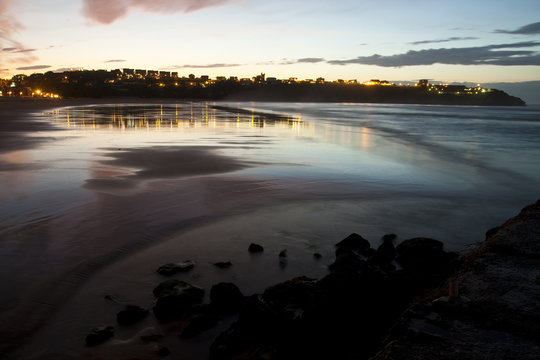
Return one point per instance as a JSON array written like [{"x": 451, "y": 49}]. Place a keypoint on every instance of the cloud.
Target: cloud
[
  {"x": 114, "y": 61},
  {"x": 34, "y": 67},
  {"x": 502, "y": 54},
  {"x": 17, "y": 50},
  {"x": 9, "y": 26},
  {"x": 207, "y": 66},
  {"x": 529, "y": 29},
  {"x": 106, "y": 11},
  {"x": 454, "y": 38},
  {"x": 310, "y": 60}
]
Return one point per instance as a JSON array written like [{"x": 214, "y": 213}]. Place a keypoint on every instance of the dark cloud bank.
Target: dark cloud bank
[
  {"x": 530, "y": 29},
  {"x": 500, "y": 54}
]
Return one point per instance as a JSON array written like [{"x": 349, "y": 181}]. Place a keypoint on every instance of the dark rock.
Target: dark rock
[
  {"x": 163, "y": 351},
  {"x": 175, "y": 297},
  {"x": 347, "y": 261},
  {"x": 295, "y": 293},
  {"x": 173, "y": 268},
  {"x": 385, "y": 253},
  {"x": 355, "y": 242},
  {"x": 317, "y": 256},
  {"x": 496, "y": 312},
  {"x": 99, "y": 335},
  {"x": 175, "y": 287},
  {"x": 131, "y": 314},
  {"x": 226, "y": 297},
  {"x": 389, "y": 237},
  {"x": 199, "y": 323},
  {"x": 255, "y": 248},
  {"x": 223, "y": 264},
  {"x": 424, "y": 255},
  {"x": 283, "y": 258}
]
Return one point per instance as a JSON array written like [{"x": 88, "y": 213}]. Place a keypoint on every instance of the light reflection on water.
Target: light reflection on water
[
  {"x": 125, "y": 188},
  {"x": 156, "y": 117}
]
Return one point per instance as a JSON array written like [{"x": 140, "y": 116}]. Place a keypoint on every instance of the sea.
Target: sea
[{"x": 113, "y": 191}]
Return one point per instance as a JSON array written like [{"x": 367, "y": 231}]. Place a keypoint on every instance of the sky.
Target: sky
[{"x": 475, "y": 41}]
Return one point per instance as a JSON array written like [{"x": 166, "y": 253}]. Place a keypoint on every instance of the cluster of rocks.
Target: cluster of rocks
[
  {"x": 383, "y": 303},
  {"x": 496, "y": 312},
  {"x": 345, "y": 314},
  {"x": 178, "y": 301}
]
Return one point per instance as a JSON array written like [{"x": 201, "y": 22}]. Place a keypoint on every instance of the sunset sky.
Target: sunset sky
[{"x": 452, "y": 41}]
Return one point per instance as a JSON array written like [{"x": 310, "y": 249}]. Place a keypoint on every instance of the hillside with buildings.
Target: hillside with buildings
[{"x": 165, "y": 84}]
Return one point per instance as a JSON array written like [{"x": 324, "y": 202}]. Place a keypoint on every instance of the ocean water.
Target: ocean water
[{"x": 117, "y": 190}]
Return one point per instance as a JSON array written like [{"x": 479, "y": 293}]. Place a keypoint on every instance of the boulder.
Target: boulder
[
  {"x": 173, "y": 268},
  {"x": 131, "y": 314},
  {"x": 174, "y": 298},
  {"x": 99, "y": 335},
  {"x": 422, "y": 254},
  {"x": 355, "y": 242},
  {"x": 255, "y": 248},
  {"x": 223, "y": 264},
  {"x": 347, "y": 261},
  {"x": 283, "y": 258},
  {"x": 389, "y": 237},
  {"x": 385, "y": 254},
  {"x": 226, "y": 297}
]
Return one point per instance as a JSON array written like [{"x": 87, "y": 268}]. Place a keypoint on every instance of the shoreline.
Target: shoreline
[{"x": 171, "y": 240}]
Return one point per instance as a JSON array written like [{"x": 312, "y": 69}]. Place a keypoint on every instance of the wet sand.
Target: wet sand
[
  {"x": 136, "y": 209},
  {"x": 111, "y": 242}
]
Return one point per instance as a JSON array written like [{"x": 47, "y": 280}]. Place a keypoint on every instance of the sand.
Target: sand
[
  {"x": 181, "y": 202},
  {"x": 103, "y": 227}
]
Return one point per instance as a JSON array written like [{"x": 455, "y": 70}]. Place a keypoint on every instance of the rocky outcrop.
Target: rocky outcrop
[
  {"x": 99, "y": 335},
  {"x": 491, "y": 307},
  {"x": 346, "y": 314},
  {"x": 174, "y": 298},
  {"x": 131, "y": 314},
  {"x": 173, "y": 268}
]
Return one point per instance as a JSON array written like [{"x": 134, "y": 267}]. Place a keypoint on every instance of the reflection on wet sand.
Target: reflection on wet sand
[
  {"x": 161, "y": 163},
  {"x": 185, "y": 115}
]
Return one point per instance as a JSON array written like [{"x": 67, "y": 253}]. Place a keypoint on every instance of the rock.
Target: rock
[
  {"x": 425, "y": 257},
  {"x": 283, "y": 258},
  {"x": 495, "y": 314},
  {"x": 389, "y": 237},
  {"x": 173, "y": 268},
  {"x": 226, "y": 297},
  {"x": 99, "y": 335},
  {"x": 347, "y": 261},
  {"x": 223, "y": 264},
  {"x": 163, "y": 351},
  {"x": 175, "y": 297},
  {"x": 385, "y": 253},
  {"x": 255, "y": 248},
  {"x": 131, "y": 314},
  {"x": 354, "y": 242},
  {"x": 317, "y": 256}
]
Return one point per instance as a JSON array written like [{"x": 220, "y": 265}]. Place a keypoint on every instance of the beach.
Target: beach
[{"x": 96, "y": 197}]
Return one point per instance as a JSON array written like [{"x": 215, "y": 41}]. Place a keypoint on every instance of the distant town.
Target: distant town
[{"x": 152, "y": 83}]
